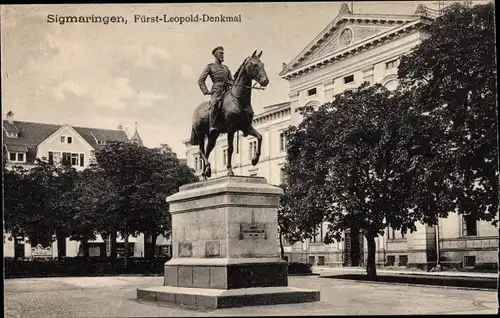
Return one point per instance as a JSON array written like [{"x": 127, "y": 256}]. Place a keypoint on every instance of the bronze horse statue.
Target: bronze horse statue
[{"x": 235, "y": 114}]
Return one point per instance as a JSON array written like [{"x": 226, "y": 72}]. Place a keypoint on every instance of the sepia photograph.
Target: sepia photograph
[{"x": 250, "y": 159}]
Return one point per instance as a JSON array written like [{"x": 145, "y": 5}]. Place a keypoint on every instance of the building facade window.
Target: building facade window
[
  {"x": 70, "y": 140},
  {"x": 253, "y": 149},
  {"x": 348, "y": 79},
  {"x": 394, "y": 234},
  {"x": 311, "y": 92},
  {"x": 318, "y": 235},
  {"x": 469, "y": 225},
  {"x": 63, "y": 139},
  {"x": 283, "y": 141},
  {"x": 224, "y": 157},
  {"x": 17, "y": 157},
  {"x": 74, "y": 159},
  {"x": 392, "y": 64}
]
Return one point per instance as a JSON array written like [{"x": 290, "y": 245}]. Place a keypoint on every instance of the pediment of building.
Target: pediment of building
[
  {"x": 346, "y": 35},
  {"x": 348, "y": 31}
]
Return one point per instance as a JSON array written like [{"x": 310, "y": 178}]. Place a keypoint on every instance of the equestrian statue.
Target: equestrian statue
[{"x": 229, "y": 109}]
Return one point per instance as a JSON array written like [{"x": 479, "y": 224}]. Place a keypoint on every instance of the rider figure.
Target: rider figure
[{"x": 221, "y": 78}]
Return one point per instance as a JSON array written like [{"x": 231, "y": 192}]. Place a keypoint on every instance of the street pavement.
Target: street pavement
[{"x": 116, "y": 297}]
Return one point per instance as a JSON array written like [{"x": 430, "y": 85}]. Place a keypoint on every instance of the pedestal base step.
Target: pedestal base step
[{"x": 219, "y": 298}]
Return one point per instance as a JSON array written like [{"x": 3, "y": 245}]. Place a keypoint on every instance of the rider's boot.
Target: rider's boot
[{"x": 213, "y": 117}]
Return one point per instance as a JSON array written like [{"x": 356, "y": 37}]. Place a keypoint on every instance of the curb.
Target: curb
[{"x": 414, "y": 285}]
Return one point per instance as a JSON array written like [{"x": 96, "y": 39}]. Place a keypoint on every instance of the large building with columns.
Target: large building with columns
[{"x": 351, "y": 50}]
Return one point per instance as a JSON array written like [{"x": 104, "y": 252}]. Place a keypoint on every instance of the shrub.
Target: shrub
[{"x": 299, "y": 268}]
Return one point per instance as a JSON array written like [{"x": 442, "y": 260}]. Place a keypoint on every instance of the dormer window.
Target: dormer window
[
  {"x": 11, "y": 131},
  {"x": 17, "y": 157},
  {"x": 99, "y": 138},
  {"x": 16, "y": 153}
]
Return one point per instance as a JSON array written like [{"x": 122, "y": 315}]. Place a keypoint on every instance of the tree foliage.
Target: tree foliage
[
  {"x": 34, "y": 205},
  {"x": 356, "y": 163},
  {"x": 453, "y": 76},
  {"x": 124, "y": 190},
  {"x": 138, "y": 181}
]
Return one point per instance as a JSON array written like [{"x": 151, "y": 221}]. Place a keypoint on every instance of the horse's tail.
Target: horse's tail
[{"x": 194, "y": 137}]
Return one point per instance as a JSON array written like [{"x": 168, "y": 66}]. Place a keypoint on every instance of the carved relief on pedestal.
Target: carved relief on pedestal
[
  {"x": 212, "y": 249},
  {"x": 185, "y": 249}
]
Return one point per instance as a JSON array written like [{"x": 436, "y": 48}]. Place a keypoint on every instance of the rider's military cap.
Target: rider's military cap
[{"x": 216, "y": 49}]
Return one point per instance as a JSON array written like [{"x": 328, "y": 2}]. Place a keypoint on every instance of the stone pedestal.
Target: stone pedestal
[{"x": 225, "y": 247}]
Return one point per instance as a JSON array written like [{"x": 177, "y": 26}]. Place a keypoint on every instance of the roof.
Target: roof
[
  {"x": 136, "y": 137},
  {"x": 101, "y": 135},
  {"x": 16, "y": 148},
  {"x": 32, "y": 134},
  {"x": 11, "y": 128}
]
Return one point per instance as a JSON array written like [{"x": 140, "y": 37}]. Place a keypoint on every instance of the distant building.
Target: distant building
[
  {"x": 136, "y": 139},
  {"x": 23, "y": 142}
]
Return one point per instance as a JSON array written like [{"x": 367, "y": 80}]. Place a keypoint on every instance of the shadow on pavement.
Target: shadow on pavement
[{"x": 483, "y": 283}]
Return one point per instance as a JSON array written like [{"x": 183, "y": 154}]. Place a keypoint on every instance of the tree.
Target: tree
[
  {"x": 357, "y": 163},
  {"x": 18, "y": 211},
  {"x": 139, "y": 180},
  {"x": 286, "y": 226},
  {"x": 34, "y": 205},
  {"x": 452, "y": 74},
  {"x": 83, "y": 203}
]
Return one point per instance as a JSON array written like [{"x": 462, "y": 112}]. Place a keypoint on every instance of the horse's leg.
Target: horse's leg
[
  {"x": 210, "y": 146},
  {"x": 201, "y": 143},
  {"x": 255, "y": 133},
  {"x": 230, "y": 138}
]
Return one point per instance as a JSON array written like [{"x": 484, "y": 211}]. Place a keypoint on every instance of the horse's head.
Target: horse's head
[{"x": 255, "y": 68}]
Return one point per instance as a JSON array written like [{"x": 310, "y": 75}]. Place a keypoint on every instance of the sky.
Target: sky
[{"x": 96, "y": 75}]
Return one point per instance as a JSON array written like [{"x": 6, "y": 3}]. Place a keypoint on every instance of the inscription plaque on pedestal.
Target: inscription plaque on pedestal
[{"x": 253, "y": 230}]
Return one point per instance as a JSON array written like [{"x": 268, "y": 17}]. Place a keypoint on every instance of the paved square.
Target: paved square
[{"x": 116, "y": 297}]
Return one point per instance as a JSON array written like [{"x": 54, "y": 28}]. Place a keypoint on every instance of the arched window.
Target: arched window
[
  {"x": 313, "y": 103},
  {"x": 390, "y": 82},
  {"x": 392, "y": 85}
]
